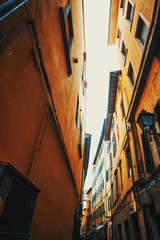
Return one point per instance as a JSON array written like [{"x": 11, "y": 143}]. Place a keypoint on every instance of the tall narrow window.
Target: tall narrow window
[
  {"x": 67, "y": 33},
  {"x": 107, "y": 176},
  {"x": 147, "y": 152},
  {"x": 76, "y": 118},
  {"x": 128, "y": 161},
  {"x": 141, "y": 31},
  {"x": 109, "y": 203},
  {"x": 114, "y": 145},
  {"x": 110, "y": 156},
  {"x": 116, "y": 179},
  {"x": 130, "y": 12},
  {"x": 120, "y": 168},
  {"x": 122, "y": 109},
  {"x": 80, "y": 139},
  {"x": 112, "y": 193},
  {"x": 131, "y": 73},
  {"x": 124, "y": 52}
]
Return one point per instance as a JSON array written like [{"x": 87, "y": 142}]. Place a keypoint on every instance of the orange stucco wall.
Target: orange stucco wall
[
  {"x": 148, "y": 101},
  {"x": 134, "y": 53},
  {"x": 29, "y": 136}
]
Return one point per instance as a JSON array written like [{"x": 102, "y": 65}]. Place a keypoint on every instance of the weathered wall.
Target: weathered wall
[{"x": 29, "y": 137}]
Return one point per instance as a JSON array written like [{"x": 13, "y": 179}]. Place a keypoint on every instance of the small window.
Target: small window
[
  {"x": 130, "y": 12},
  {"x": 67, "y": 33},
  {"x": 132, "y": 74},
  {"x": 118, "y": 37},
  {"x": 122, "y": 109},
  {"x": 141, "y": 31},
  {"x": 124, "y": 51},
  {"x": 122, "y": 5}
]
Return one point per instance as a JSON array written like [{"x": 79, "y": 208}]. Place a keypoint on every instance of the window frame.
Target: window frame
[
  {"x": 68, "y": 45},
  {"x": 137, "y": 38},
  {"x": 124, "y": 56},
  {"x": 116, "y": 180},
  {"x": 131, "y": 81},
  {"x": 129, "y": 22},
  {"x": 122, "y": 6}
]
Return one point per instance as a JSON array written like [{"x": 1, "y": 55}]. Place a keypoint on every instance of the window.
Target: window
[
  {"x": 122, "y": 5},
  {"x": 108, "y": 146},
  {"x": 124, "y": 51},
  {"x": 107, "y": 176},
  {"x": 128, "y": 161},
  {"x": 120, "y": 168},
  {"x": 112, "y": 193},
  {"x": 80, "y": 139},
  {"x": 147, "y": 152},
  {"x": 122, "y": 109},
  {"x": 76, "y": 118},
  {"x": 67, "y": 33},
  {"x": 141, "y": 31},
  {"x": 129, "y": 15},
  {"x": 110, "y": 156},
  {"x": 116, "y": 179},
  {"x": 114, "y": 145},
  {"x": 131, "y": 73},
  {"x": 118, "y": 37},
  {"x": 109, "y": 204}
]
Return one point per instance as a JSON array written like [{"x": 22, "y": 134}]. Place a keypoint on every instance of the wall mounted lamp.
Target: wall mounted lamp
[{"x": 146, "y": 122}]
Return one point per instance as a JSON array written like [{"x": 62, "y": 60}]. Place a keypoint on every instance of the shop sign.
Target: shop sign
[{"x": 123, "y": 215}]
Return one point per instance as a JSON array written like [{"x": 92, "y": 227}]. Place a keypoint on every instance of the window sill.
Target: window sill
[{"x": 123, "y": 59}]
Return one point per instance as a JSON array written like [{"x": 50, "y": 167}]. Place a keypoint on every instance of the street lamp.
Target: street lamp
[{"x": 146, "y": 122}]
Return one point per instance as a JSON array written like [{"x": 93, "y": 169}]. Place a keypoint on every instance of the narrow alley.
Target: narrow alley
[{"x": 46, "y": 150}]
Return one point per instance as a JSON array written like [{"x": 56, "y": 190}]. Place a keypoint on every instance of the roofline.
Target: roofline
[
  {"x": 114, "y": 74},
  {"x": 109, "y": 21},
  {"x": 100, "y": 141}
]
